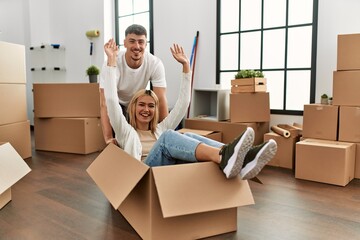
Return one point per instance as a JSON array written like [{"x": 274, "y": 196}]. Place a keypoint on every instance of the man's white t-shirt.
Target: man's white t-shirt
[{"x": 129, "y": 80}]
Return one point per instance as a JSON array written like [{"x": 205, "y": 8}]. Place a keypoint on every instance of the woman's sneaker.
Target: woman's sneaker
[
  {"x": 233, "y": 154},
  {"x": 257, "y": 158}
]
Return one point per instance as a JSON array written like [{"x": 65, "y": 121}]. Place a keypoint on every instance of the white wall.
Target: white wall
[{"x": 32, "y": 22}]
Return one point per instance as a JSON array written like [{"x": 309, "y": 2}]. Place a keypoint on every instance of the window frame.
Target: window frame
[
  {"x": 150, "y": 32},
  {"x": 312, "y": 68}
]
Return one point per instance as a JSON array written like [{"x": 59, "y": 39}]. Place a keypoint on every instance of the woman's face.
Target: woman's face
[{"x": 145, "y": 109}]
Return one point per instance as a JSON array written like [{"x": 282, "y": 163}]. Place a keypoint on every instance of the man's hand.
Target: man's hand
[{"x": 111, "y": 50}]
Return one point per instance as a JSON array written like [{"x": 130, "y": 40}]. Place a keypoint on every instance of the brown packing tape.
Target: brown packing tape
[{"x": 280, "y": 131}]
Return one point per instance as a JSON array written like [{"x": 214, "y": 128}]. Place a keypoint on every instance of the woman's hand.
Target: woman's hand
[
  {"x": 111, "y": 50},
  {"x": 179, "y": 55}
]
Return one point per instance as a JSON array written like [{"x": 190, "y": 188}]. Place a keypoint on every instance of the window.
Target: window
[
  {"x": 128, "y": 12},
  {"x": 277, "y": 37}
]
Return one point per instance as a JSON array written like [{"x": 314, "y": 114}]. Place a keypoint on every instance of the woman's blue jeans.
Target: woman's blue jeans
[{"x": 173, "y": 147}]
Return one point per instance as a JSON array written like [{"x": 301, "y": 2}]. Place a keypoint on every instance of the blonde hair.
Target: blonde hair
[{"x": 132, "y": 106}]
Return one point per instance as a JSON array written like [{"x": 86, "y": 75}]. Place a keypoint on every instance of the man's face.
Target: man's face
[{"x": 135, "y": 46}]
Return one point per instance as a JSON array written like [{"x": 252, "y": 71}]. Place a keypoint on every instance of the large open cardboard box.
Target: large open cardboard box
[
  {"x": 12, "y": 169},
  {"x": 185, "y": 201}
]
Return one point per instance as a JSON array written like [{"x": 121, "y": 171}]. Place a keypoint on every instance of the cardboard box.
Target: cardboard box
[
  {"x": 346, "y": 86},
  {"x": 357, "y": 161},
  {"x": 12, "y": 63},
  {"x": 320, "y": 121},
  {"x": 12, "y": 169},
  {"x": 248, "y": 85},
  {"x": 285, "y": 155},
  {"x": 66, "y": 100},
  {"x": 184, "y": 201},
  {"x": 229, "y": 130},
  {"x": 349, "y": 122},
  {"x": 249, "y": 107},
  {"x": 217, "y": 136},
  {"x": 12, "y": 103},
  {"x": 19, "y": 136},
  {"x": 71, "y": 135},
  {"x": 348, "y": 51},
  {"x": 323, "y": 161}
]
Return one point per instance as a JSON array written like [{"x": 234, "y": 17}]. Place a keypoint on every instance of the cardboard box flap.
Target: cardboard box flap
[
  {"x": 12, "y": 167},
  {"x": 110, "y": 174},
  {"x": 198, "y": 187},
  {"x": 199, "y": 132}
]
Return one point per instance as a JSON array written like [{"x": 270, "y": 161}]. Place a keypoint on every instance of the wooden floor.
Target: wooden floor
[{"x": 58, "y": 200}]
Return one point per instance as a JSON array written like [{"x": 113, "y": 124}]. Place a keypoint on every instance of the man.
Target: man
[{"x": 134, "y": 69}]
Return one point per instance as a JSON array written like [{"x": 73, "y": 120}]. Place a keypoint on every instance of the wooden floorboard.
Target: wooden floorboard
[{"x": 58, "y": 200}]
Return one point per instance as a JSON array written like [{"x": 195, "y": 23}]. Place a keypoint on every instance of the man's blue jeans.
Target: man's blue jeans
[{"x": 173, "y": 147}]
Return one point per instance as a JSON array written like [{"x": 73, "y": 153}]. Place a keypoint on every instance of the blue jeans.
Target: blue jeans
[{"x": 173, "y": 148}]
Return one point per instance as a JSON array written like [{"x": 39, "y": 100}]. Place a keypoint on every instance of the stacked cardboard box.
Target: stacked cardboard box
[
  {"x": 333, "y": 130},
  {"x": 67, "y": 117},
  {"x": 286, "y": 137},
  {"x": 243, "y": 109},
  {"x": 14, "y": 124}
]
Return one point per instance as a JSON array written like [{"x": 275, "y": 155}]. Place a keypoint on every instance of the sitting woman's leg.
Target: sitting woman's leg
[
  {"x": 205, "y": 140},
  {"x": 171, "y": 146}
]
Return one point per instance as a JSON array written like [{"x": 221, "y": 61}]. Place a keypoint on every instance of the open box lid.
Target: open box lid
[
  {"x": 12, "y": 167},
  {"x": 199, "y": 132},
  {"x": 110, "y": 174},
  {"x": 198, "y": 187}
]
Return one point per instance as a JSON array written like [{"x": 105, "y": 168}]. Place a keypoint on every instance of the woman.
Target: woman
[{"x": 158, "y": 144}]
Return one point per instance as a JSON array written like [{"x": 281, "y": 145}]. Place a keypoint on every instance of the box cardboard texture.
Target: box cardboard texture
[
  {"x": 248, "y": 85},
  {"x": 71, "y": 135},
  {"x": 324, "y": 161},
  {"x": 229, "y": 130},
  {"x": 250, "y": 107},
  {"x": 320, "y": 121},
  {"x": 66, "y": 100},
  {"x": 12, "y": 103},
  {"x": 285, "y": 154},
  {"x": 184, "y": 201},
  {"x": 12, "y": 63},
  {"x": 357, "y": 161},
  {"x": 346, "y": 85},
  {"x": 19, "y": 135},
  {"x": 349, "y": 122},
  {"x": 217, "y": 136},
  {"x": 348, "y": 52},
  {"x": 12, "y": 169}
]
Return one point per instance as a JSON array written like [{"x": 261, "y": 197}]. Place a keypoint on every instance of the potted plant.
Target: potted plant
[
  {"x": 249, "y": 74},
  {"x": 330, "y": 100},
  {"x": 93, "y": 71},
  {"x": 248, "y": 81},
  {"x": 324, "y": 99}
]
